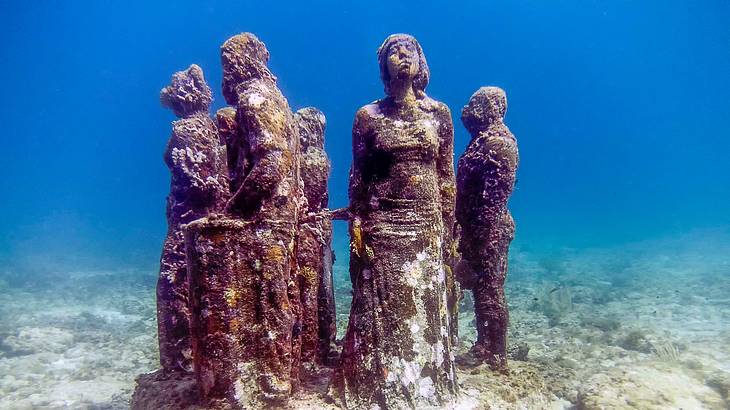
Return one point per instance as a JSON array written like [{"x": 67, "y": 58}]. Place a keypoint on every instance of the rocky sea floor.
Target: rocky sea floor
[{"x": 642, "y": 326}]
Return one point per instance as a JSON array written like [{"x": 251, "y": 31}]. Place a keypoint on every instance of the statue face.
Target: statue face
[{"x": 403, "y": 61}]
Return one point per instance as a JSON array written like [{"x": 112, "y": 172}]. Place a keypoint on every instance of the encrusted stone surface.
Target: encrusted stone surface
[
  {"x": 242, "y": 312},
  {"x": 188, "y": 93},
  {"x": 270, "y": 183},
  {"x": 486, "y": 177},
  {"x": 314, "y": 247},
  {"x": 161, "y": 390},
  {"x": 327, "y": 313},
  {"x": 236, "y": 148},
  {"x": 243, "y": 57},
  {"x": 315, "y": 166},
  {"x": 247, "y": 317},
  {"x": 199, "y": 186},
  {"x": 397, "y": 350}
]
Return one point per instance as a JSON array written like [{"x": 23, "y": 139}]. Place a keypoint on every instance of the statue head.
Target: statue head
[
  {"x": 311, "y": 122},
  {"x": 485, "y": 107},
  {"x": 187, "y": 93},
  {"x": 243, "y": 57},
  {"x": 401, "y": 60}
]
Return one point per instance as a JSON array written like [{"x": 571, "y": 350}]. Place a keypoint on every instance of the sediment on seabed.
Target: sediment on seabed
[{"x": 642, "y": 325}]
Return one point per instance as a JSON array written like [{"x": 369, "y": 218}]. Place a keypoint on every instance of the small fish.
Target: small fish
[{"x": 555, "y": 289}]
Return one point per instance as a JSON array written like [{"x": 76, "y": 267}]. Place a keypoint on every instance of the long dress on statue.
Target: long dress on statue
[{"x": 398, "y": 339}]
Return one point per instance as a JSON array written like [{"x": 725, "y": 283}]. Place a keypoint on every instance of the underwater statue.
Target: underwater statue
[
  {"x": 246, "y": 313},
  {"x": 228, "y": 130},
  {"x": 314, "y": 243},
  {"x": 244, "y": 59},
  {"x": 199, "y": 186},
  {"x": 485, "y": 180},
  {"x": 397, "y": 351}
]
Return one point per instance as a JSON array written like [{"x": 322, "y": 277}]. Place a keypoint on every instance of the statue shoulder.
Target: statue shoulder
[
  {"x": 441, "y": 113},
  {"x": 503, "y": 135},
  {"x": 435, "y": 106},
  {"x": 366, "y": 115},
  {"x": 372, "y": 110},
  {"x": 500, "y": 143}
]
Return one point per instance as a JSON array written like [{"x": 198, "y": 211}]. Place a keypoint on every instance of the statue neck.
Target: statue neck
[{"x": 402, "y": 94}]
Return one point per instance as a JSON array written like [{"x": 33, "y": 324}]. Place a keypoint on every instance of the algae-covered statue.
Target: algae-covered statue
[
  {"x": 314, "y": 243},
  {"x": 397, "y": 351},
  {"x": 485, "y": 180},
  {"x": 245, "y": 301},
  {"x": 199, "y": 186},
  {"x": 245, "y": 292}
]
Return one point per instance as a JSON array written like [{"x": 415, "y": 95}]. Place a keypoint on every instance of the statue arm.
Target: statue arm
[
  {"x": 357, "y": 189},
  {"x": 271, "y": 159}
]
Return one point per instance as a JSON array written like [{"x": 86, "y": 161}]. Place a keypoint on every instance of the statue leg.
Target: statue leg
[
  {"x": 173, "y": 314},
  {"x": 327, "y": 314},
  {"x": 492, "y": 319},
  {"x": 245, "y": 311}
]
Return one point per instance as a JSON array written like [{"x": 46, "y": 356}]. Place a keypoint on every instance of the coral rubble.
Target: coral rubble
[
  {"x": 397, "y": 350},
  {"x": 485, "y": 180},
  {"x": 199, "y": 185}
]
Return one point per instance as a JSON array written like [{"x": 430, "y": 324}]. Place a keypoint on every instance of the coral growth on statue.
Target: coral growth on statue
[
  {"x": 246, "y": 295},
  {"x": 486, "y": 177}
]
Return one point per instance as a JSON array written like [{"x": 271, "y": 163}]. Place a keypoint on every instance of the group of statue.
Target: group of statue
[{"x": 245, "y": 293}]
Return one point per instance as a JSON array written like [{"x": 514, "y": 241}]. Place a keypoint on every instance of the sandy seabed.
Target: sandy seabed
[{"x": 641, "y": 326}]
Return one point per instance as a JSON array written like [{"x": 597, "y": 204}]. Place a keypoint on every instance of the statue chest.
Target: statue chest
[{"x": 407, "y": 139}]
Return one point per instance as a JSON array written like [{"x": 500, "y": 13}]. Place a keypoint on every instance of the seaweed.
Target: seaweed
[
  {"x": 665, "y": 350},
  {"x": 635, "y": 340}
]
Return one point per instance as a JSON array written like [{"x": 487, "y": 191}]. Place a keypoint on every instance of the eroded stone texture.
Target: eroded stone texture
[
  {"x": 314, "y": 247},
  {"x": 397, "y": 352},
  {"x": 271, "y": 186},
  {"x": 162, "y": 390},
  {"x": 242, "y": 315},
  {"x": 188, "y": 94},
  {"x": 236, "y": 148},
  {"x": 243, "y": 57},
  {"x": 486, "y": 177},
  {"x": 243, "y": 270},
  {"x": 315, "y": 166},
  {"x": 199, "y": 186},
  {"x": 327, "y": 313}
]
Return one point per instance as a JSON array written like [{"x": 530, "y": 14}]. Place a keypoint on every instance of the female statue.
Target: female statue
[{"x": 397, "y": 351}]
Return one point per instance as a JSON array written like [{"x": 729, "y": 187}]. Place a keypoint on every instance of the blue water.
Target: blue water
[{"x": 621, "y": 109}]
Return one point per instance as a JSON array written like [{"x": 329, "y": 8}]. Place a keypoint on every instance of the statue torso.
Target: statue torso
[{"x": 400, "y": 169}]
